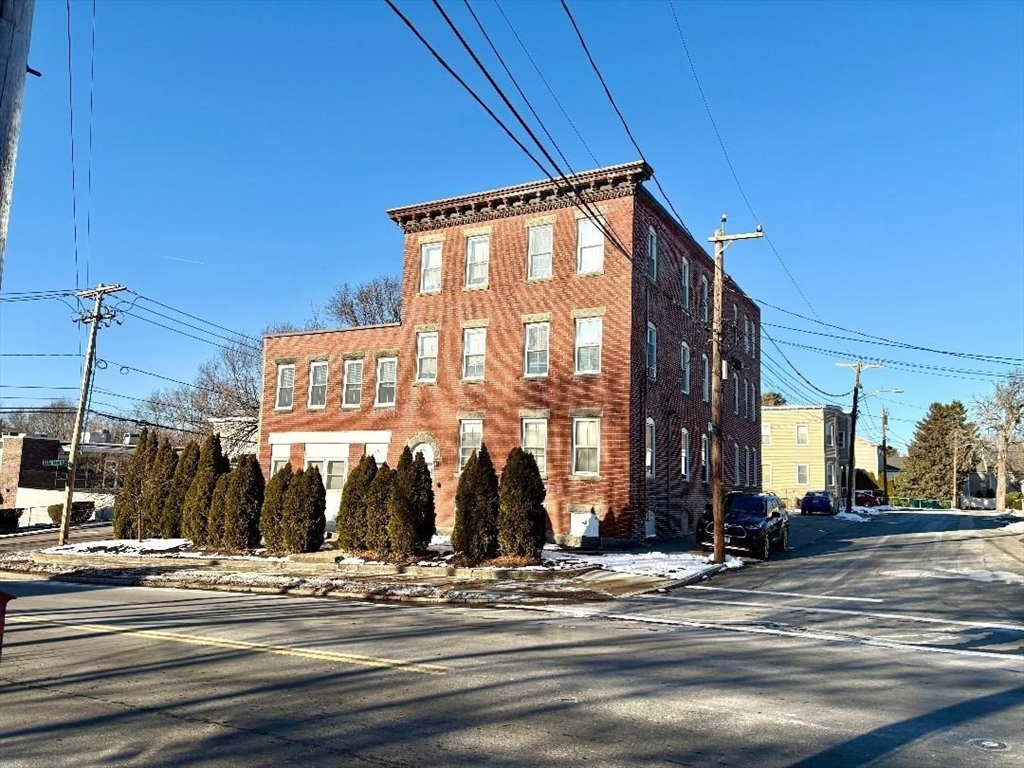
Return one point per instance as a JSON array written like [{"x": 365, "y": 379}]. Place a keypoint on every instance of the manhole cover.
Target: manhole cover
[{"x": 989, "y": 745}]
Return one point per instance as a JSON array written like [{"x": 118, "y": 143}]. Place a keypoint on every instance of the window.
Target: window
[
  {"x": 801, "y": 434},
  {"x": 276, "y": 465},
  {"x": 649, "y": 447},
  {"x": 337, "y": 471},
  {"x": 387, "y": 375},
  {"x": 841, "y": 440},
  {"x": 471, "y": 435},
  {"x": 537, "y": 336},
  {"x": 474, "y": 346},
  {"x": 285, "y": 386},
  {"x": 539, "y": 249},
  {"x": 352, "y": 384},
  {"x": 753, "y": 466},
  {"x": 684, "y": 465},
  {"x": 766, "y": 474},
  {"x": 830, "y": 475},
  {"x": 478, "y": 256},
  {"x": 686, "y": 286},
  {"x": 735, "y": 324},
  {"x": 746, "y": 460},
  {"x": 802, "y": 474},
  {"x": 830, "y": 431},
  {"x": 589, "y": 246},
  {"x": 588, "y": 345},
  {"x": 317, "y": 385},
  {"x": 430, "y": 268},
  {"x": 746, "y": 334},
  {"x": 652, "y": 351},
  {"x": 704, "y": 463},
  {"x": 746, "y": 399},
  {"x": 766, "y": 434},
  {"x": 652, "y": 254},
  {"x": 586, "y": 442},
  {"x": 735, "y": 463},
  {"x": 703, "y": 298},
  {"x": 684, "y": 364},
  {"x": 426, "y": 356},
  {"x": 735, "y": 394},
  {"x": 318, "y": 464},
  {"x": 705, "y": 377},
  {"x": 535, "y": 441}
]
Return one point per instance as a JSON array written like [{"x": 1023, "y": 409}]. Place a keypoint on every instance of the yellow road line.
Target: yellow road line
[{"x": 240, "y": 645}]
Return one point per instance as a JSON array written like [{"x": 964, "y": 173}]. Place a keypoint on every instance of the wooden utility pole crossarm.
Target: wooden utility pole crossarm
[
  {"x": 99, "y": 315},
  {"x": 721, "y": 241}
]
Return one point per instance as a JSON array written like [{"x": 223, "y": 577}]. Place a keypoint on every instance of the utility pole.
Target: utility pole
[
  {"x": 721, "y": 241},
  {"x": 885, "y": 457},
  {"x": 15, "y": 34},
  {"x": 857, "y": 367},
  {"x": 99, "y": 315}
]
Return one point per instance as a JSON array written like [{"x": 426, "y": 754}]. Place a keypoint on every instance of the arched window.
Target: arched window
[
  {"x": 705, "y": 464},
  {"x": 736, "y": 464},
  {"x": 684, "y": 467},
  {"x": 736, "y": 394},
  {"x": 684, "y": 363},
  {"x": 686, "y": 285},
  {"x": 703, "y": 298},
  {"x": 705, "y": 375}
]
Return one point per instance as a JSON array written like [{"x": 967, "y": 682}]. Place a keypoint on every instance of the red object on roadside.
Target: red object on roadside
[{"x": 4, "y": 600}]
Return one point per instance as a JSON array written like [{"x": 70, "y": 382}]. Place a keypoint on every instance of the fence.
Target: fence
[{"x": 919, "y": 503}]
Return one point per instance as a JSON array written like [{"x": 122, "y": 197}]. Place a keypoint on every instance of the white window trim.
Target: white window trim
[
  {"x": 277, "y": 392},
  {"x": 419, "y": 358},
  {"x": 652, "y": 253},
  {"x": 652, "y": 335},
  {"x": 487, "y": 273},
  {"x": 705, "y": 378},
  {"x": 705, "y": 458},
  {"x": 465, "y": 353},
  {"x": 423, "y": 270},
  {"x": 830, "y": 434},
  {"x": 830, "y": 472},
  {"x": 344, "y": 384},
  {"x": 840, "y": 443},
  {"x": 650, "y": 466},
  {"x": 704, "y": 299},
  {"x": 459, "y": 466},
  {"x": 807, "y": 467},
  {"x": 686, "y": 285},
  {"x": 526, "y": 352},
  {"x": 684, "y": 365},
  {"x": 530, "y": 253},
  {"x": 522, "y": 440},
  {"x": 599, "y": 223},
  {"x": 575, "y": 472},
  {"x": 746, "y": 465},
  {"x": 309, "y": 393},
  {"x": 377, "y": 382},
  {"x": 576, "y": 346},
  {"x": 736, "y": 394},
  {"x": 807, "y": 435},
  {"x": 684, "y": 465},
  {"x": 736, "y": 464}
]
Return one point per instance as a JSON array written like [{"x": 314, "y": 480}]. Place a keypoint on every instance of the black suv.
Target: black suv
[{"x": 756, "y": 522}]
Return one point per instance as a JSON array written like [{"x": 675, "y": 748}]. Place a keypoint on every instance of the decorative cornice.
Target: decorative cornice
[{"x": 536, "y": 197}]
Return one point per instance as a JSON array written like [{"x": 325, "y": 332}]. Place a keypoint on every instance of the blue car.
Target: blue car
[{"x": 815, "y": 502}]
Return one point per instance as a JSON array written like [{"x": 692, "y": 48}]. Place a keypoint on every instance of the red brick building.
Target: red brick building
[{"x": 524, "y": 323}]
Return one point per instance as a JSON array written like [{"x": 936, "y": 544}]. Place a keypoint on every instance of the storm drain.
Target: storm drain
[{"x": 989, "y": 745}]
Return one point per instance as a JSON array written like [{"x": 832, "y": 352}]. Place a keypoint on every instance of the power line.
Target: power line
[
  {"x": 174, "y": 330},
  {"x": 796, "y": 371},
  {"x": 123, "y": 368},
  {"x": 728, "y": 160},
  {"x": 92, "y": 90},
  {"x": 39, "y": 354},
  {"x": 618, "y": 112},
  {"x": 71, "y": 118},
  {"x": 231, "y": 339},
  {"x": 194, "y": 317},
  {"x": 544, "y": 80},
  {"x": 906, "y": 345}
]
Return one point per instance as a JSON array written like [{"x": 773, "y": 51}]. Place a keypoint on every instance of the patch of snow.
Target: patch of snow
[
  {"x": 1014, "y": 527},
  {"x": 123, "y": 547},
  {"x": 678, "y": 565},
  {"x": 853, "y": 517}
]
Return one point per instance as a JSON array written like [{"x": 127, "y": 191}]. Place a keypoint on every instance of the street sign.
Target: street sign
[{"x": 55, "y": 462}]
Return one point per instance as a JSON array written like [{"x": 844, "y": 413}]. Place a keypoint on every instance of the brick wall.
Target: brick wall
[{"x": 21, "y": 464}]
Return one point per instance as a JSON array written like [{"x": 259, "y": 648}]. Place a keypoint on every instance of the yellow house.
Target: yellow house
[{"x": 804, "y": 448}]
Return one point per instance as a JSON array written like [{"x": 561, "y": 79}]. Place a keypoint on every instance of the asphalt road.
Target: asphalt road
[
  {"x": 96, "y": 675},
  {"x": 47, "y": 537}
]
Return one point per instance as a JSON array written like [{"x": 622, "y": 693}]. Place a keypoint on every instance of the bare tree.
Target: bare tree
[
  {"x": 55, "y": 419},
  {"x": 1002, "y": 415},
  {"x": 375, "y": 302}
]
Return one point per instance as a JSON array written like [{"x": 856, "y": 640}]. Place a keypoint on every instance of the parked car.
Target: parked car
[
  {"x": 814, "y": 502},
  {"x": 869, "y": 498},
  {"x": 755, "y": 522}
]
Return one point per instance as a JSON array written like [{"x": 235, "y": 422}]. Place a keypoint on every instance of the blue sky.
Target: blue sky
[{"x": 880, "y": 144}]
